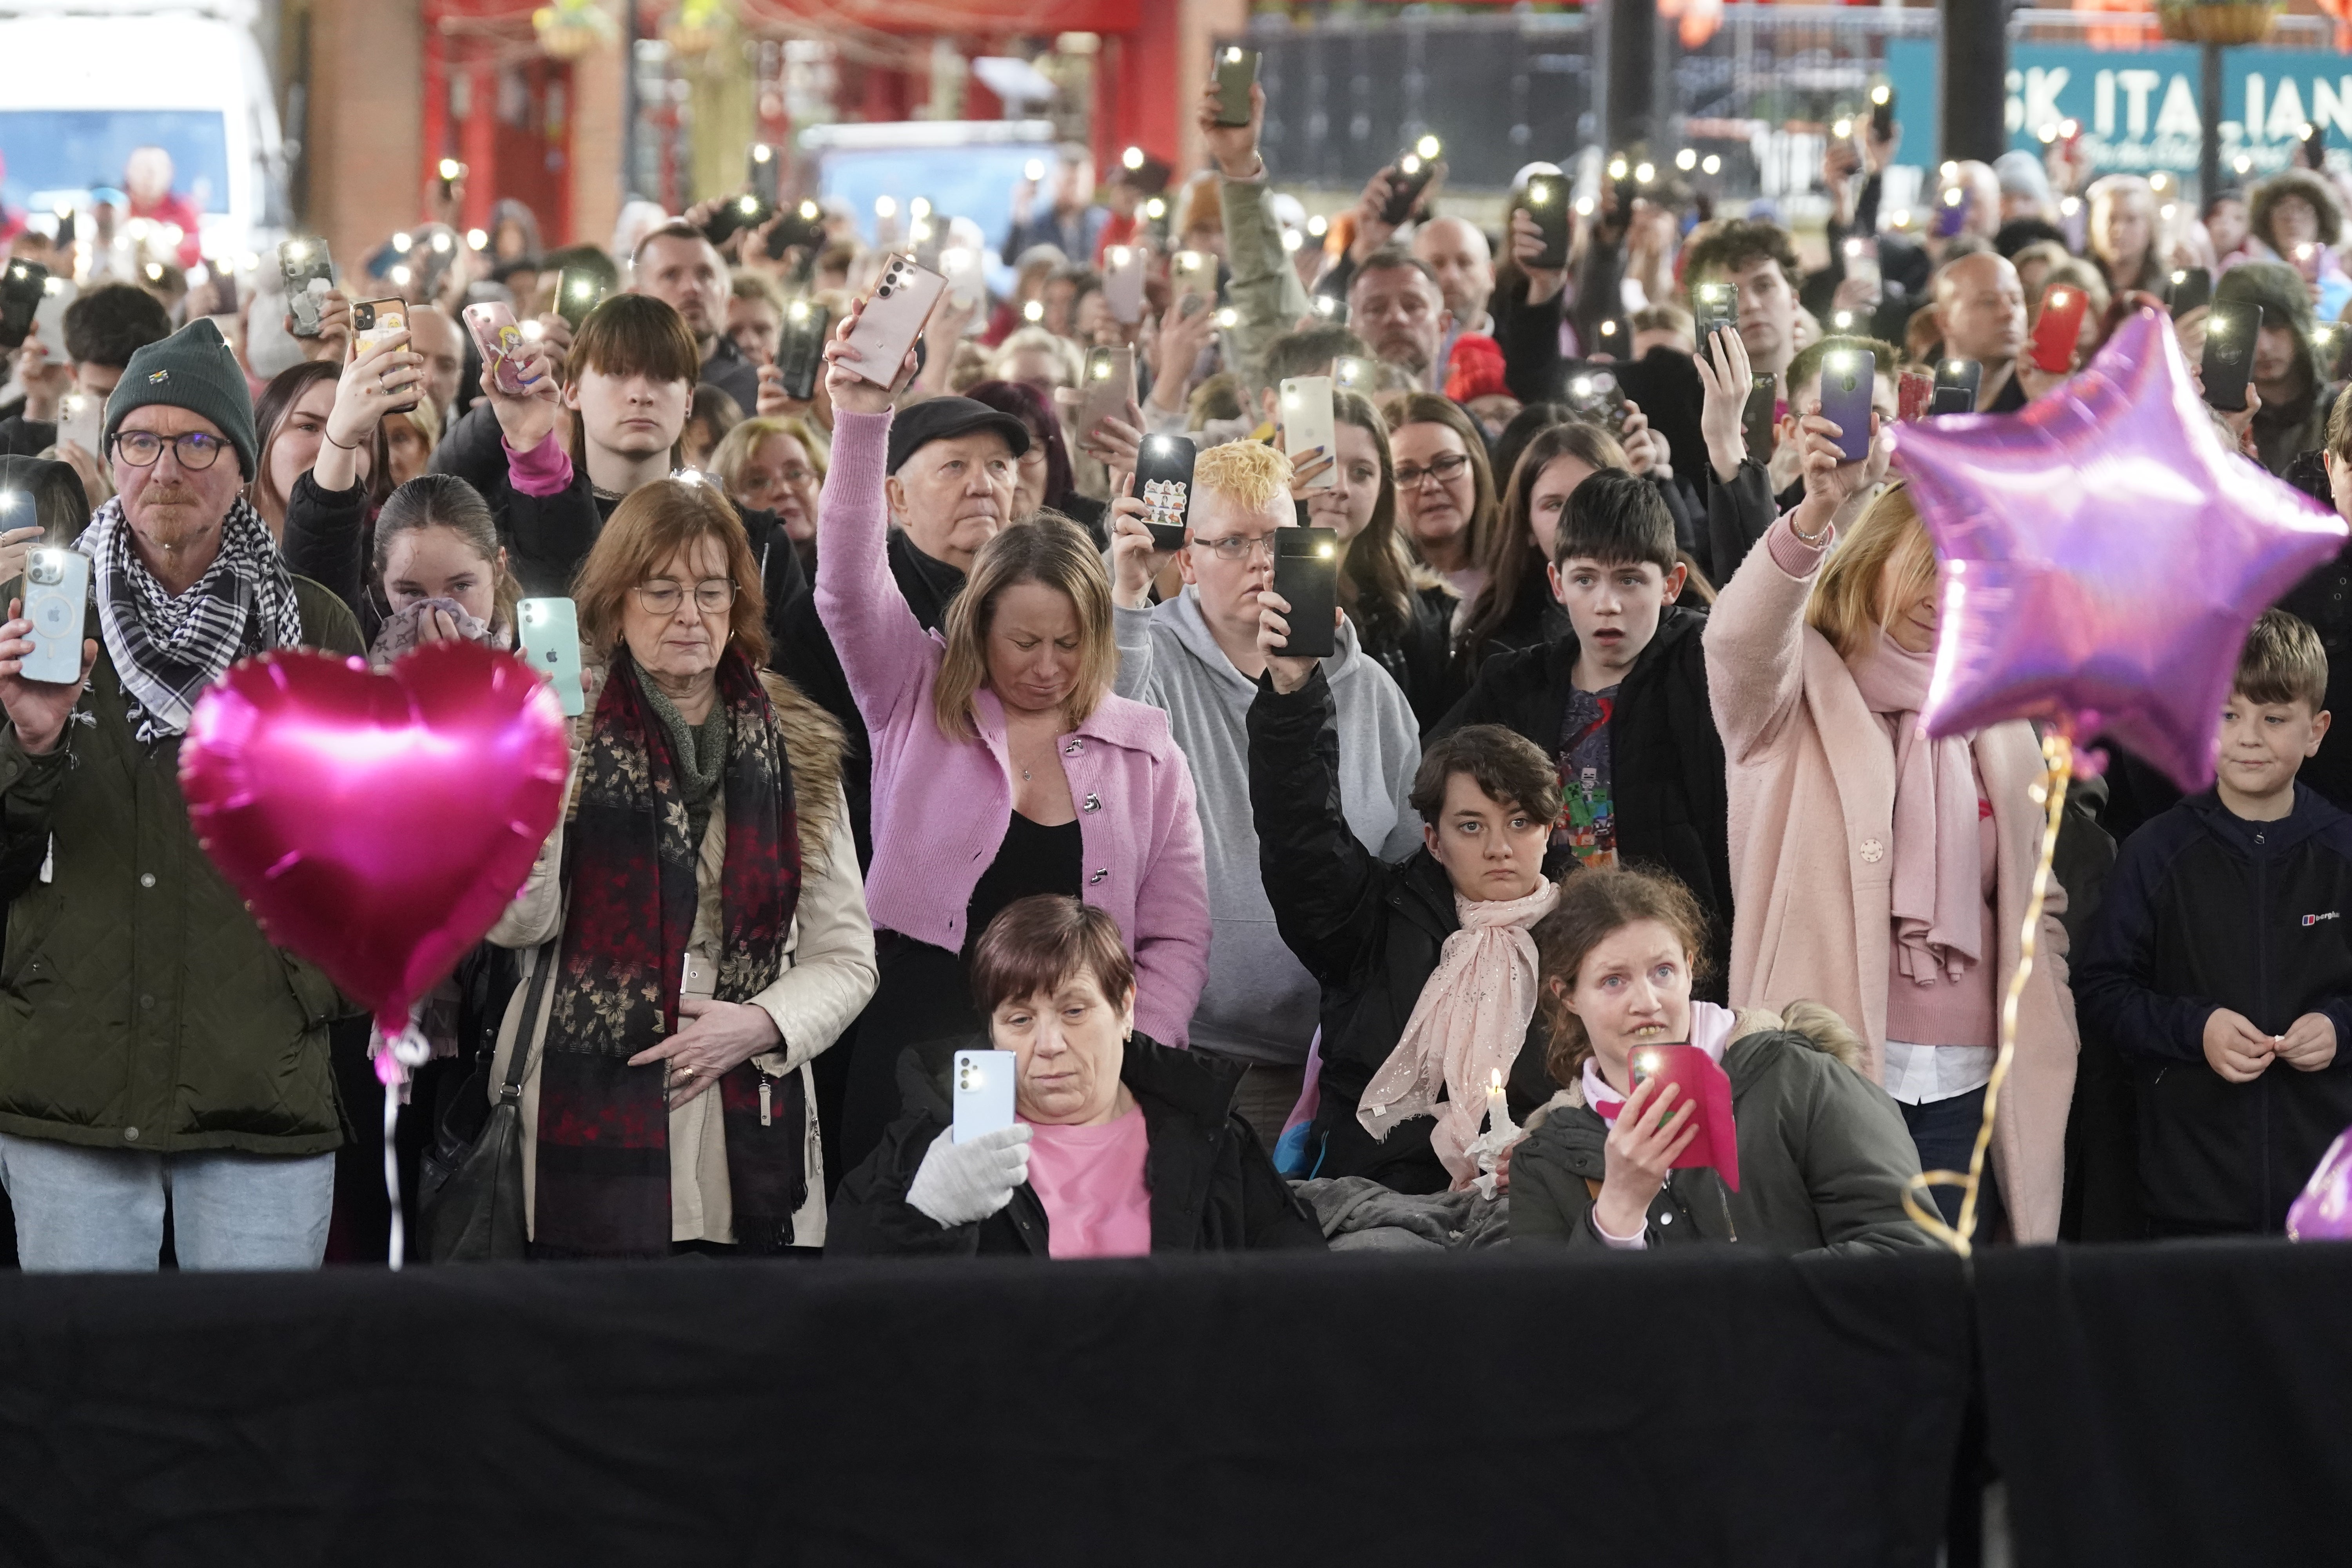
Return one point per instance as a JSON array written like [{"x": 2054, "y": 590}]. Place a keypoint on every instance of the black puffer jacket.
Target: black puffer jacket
[
  {"x": 1665, "y": 759},
  {"x": 1418, "y": 656},
  {"x": 1213, "y": 1187},
  {"x": 1368, "y": 931}
]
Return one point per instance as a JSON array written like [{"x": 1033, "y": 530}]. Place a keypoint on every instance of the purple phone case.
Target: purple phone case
[{"x": 1849, "y": 409}]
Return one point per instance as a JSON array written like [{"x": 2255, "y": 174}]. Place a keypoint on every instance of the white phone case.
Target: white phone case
[
  {"x": 1306, "y": 423},
  {"x": 895, "y": 316},
  {"x": 1123, "y": 284},
  {"x": 1109, "y": 388},
  {"x": 549, "y": 644},
  {"x": 80, "y": 416},
  {"x": 701, "y": 977},
  {"x": 57, "y": 590},
  {"x": 982, "y": 1093},
  {"x": 1193, "y": 272}
]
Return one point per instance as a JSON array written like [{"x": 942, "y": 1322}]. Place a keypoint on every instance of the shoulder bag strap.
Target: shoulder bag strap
[{"x": 510, "y": 1092}]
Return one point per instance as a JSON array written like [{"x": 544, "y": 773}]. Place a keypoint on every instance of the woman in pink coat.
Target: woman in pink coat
[
  {"x": 1873, "y": 869},
  {"x": 1004, "y": 765}
]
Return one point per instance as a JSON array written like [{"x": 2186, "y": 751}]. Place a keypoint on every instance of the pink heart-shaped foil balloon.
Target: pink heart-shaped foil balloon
[
  {"x": 2322, "y": 1211},
  {"x": 376, "y": 824}
]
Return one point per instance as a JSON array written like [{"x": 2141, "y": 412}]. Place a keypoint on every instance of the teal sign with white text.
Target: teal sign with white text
[{"x": 2140, "y": 108}]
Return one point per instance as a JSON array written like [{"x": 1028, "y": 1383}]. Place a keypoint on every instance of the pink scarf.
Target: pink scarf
[
  {"x": 1469, "y": 1023},
  {"x": 1939, "y": 877}
]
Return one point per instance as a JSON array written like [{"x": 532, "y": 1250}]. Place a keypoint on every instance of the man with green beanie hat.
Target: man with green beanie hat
[{"x": 157, "y": 1050}]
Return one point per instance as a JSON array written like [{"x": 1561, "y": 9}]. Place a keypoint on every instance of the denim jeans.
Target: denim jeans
[
  {"x": 92, "y": 1209},
  {"x": 1945, "y": 1133}
]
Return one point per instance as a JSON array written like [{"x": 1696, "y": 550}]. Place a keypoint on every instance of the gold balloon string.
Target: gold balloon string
[{"x": 2058, "y": 758}]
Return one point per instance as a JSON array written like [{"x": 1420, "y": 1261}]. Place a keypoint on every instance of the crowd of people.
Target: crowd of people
[{"x": 904, "y": 734}]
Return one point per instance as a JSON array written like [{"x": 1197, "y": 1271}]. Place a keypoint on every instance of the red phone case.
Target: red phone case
[
  {"x": 1704, "y": 1086},
  {"x": 2060, "y": 326},
  {"x": 1914, "y": 393}
]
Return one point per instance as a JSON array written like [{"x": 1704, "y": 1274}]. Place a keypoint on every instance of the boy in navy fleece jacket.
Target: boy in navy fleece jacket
[{"x": 2221, "y": 961}]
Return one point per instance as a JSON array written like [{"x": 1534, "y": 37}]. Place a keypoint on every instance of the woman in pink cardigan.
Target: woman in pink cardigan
[
  {"x": 1873, "y": 869},
  {"x": 1004, "y": 765}
]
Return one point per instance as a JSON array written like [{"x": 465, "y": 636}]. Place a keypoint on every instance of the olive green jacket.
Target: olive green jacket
[
  {"x": 1823, "y": 1157},
  {"x": 140, "y": 1007}
]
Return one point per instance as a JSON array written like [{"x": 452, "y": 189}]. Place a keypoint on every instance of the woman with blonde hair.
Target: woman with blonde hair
[
  {"x": 697, "y": 928},
  {"x": 1875, "y": 868},
  {"x": 1003, "y": 764},
  {"x": 777, "y": 466},
  {"x": 2126, "y": 238}
]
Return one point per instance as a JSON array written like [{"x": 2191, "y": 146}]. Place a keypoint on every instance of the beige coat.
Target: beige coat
[
  {"x": 828, "y": 975},
  {"x": 1812, "y": 785}
]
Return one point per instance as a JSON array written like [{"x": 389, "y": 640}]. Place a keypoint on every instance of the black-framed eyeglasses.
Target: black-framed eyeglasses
[
  {"x": 1441, "y": 468},
  {"x": 197, "y": 450},
  {"x": 712, "y": 595}
]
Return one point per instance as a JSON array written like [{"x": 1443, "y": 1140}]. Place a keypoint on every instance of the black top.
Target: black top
[{"x": 1033, "y": 860}]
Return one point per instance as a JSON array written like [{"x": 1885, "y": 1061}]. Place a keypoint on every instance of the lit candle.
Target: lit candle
[{"x": 1498, "y": 1109}]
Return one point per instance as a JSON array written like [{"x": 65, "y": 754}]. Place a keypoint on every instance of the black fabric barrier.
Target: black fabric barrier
[
  {"x": 2189, "y": 1402},
  {"x": 1717, "y": 1408}
]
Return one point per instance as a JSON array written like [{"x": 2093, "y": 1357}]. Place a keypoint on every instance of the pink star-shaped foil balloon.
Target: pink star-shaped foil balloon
[{"x": 2104, "y": 552}]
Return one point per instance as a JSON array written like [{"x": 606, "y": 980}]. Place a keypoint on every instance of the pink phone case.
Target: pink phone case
[
  {"x": 1105, "y": 397},
  {"x": 498, "y": 338},
  {"x": 895, "y": 316},
  {"x": 1703, "y": 1085}
]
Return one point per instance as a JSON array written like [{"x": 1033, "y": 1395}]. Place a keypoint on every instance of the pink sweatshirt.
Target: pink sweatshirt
[{"x": 942, "y": 806}]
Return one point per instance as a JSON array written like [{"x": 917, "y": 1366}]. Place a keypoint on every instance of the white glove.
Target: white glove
[{"x": 962, "y": 1183}]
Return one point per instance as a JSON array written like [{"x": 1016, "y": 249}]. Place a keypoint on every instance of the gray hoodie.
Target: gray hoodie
[{"x": 1260, "y": 1004}]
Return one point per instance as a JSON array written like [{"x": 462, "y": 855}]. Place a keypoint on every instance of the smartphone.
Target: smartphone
[
  {"x": 2060, "y": 328},
  {"x": 1593, "y": 397},
  {"x": 2192, "y": 287},
  {"x": 80, "y": 416},
  {"x": 1306, "y": 422},
  {"x": 57, "y": 588},
  {"x": 1236, "y": 74},
  {"x": 1330, "y": 309},
  {"x": 498, "y": 339},
  {"x": 50, "y": 317},
  {"x": 1163, "y": 477},
  {"x": 1849, "y": 377},
  {"x": 1759, "y": 421},
  {"x": 2230, "y": 334},
  {"x": 895, "y": 316},
  {"x": 1547, "y": 205},
  {"x": 760, "y": 171},
  {"x": 1307, "y": 573},
  {"x": 1408, "y": 178},
  {"x": 22, "y": 288},
  {"x": 1957, "y": 384},
  {"x": 549, "y": 641},
  {"x": 800, "y": 348},
  {"x": 1360, "y": 377},
  {"x": 308, "y": 271},
  {"x": 803, "y": 226},
  {"x": 1123, "y": 283},
  {"x": 1915, "y": 393},
  {"x": 1951, "y": 213},
  {"x": 1882, "y": 111},
  {"x": 374, "y": 320},
  {"x": 577, "y": 291},
  {"x": 1109, "y": 387},
  {"x": 1716, "y": 305},
  {"x": 747, "y": 211},
  {"x": 983, "y": 1093},
  {"x": 2314, "y": 145},
  {"x": 701, "y": 979},
  {"x": 1707, "y": 1090},
  {"x": 2328, "y": 340},
  {"x": 1189, "y": 272}
]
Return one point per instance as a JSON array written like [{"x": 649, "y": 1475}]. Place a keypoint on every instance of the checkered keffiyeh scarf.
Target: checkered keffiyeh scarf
[{"x": 167, "y": 651}]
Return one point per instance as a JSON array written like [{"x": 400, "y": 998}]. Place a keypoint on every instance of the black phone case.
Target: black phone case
[
  {"x": 1163, "y": 480},
  {"x": 1711, "y": 315},
  {"x": 1405, "y": 193},
  {"x": 800, "y": 352},
  {"x": 1756, "y": 419},
  {"x": 2195, "y": 289},
  {"x": 1956, "y": 390},
  {"x": 2229, "y": 356},
  {"x": 1882, "y": 117},
  {"x": 1307, "y": 573},
  {"x": 567, "y": 306},
  {"x": 1551, "y": 219},
  {"x": 21, "y": 285}
]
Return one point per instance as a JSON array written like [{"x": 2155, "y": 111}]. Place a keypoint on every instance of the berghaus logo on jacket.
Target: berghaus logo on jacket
[{"x": 2314, "y": 919}]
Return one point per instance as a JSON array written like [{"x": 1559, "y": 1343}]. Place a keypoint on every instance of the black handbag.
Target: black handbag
[{"x": 469, "y": 1203}]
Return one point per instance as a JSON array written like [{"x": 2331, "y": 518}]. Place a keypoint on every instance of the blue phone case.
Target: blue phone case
[
  {"x": 57, "y": 590},
  {"x": 550, "y": 642},
  {"x": 983, "y": 1093}
]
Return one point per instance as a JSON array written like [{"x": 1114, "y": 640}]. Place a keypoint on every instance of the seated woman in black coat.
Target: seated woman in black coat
[{"x": 1120, "y": 1146}]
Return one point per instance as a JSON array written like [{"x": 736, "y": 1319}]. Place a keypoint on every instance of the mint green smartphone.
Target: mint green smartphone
[{"x": 549, "y": 643}]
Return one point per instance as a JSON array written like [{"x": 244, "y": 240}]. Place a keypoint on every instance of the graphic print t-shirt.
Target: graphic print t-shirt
[{"x": 1587, "y": 828}]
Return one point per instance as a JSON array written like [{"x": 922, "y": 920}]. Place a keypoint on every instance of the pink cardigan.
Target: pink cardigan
[
  {"x": 1811, "y": 784},
  {"x": 942, "y": 806}
]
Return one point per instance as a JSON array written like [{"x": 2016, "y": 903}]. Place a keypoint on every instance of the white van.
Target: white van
[{"x": 88, "y": 80}]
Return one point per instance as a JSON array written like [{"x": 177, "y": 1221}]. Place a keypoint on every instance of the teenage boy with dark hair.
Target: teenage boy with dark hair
[
  {"x": 1619, "y": 703},
  {"x": 2220, "y": 961},
  {"x": 103, "y": 329}
]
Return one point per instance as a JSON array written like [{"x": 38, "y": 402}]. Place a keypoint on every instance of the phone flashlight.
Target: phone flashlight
[
  {"x": 1232, "y": 55},
  {"x": 1880, "y": 93},
  {"x": 1121, "y": 256},
  {"x": 885, "y": 207},
  {"x": 1409, "y": 164},
  {"x": 451, "y": 168},
  {"x": 1035, "y": 310},
  {"x": 1155, "y": 209},
  {"x": 1616, "y": 168},
  {"x": 1580, "y": 387},
  {"x": 1132, "y": 158},
  {"x": 441, "y": 244},
  {"x": 1710, "y": 164},
  {"x": 478, "y": 240},
  {"x": 1228, "y": 317},
  {"x": 402, "y": 241},
  {"x": 1428, "y": 147},
  {"x": 1034, "y": 170},
  {"x": 1842, "y": 130},
  {"x": 1643, "y": 173}
]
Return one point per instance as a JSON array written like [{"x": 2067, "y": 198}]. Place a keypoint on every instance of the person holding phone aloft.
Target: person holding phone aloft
[
  {"x": 1823, "y": 1157},
  {"x": 1874, "y": 869},
  {"x": 1003, "y": 762}
]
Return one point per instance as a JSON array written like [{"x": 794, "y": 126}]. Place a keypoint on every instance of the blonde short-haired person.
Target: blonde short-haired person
[
  {"x": 1003, "y": 764},
  {"x": 1196, "y": 655},
  {"x": 1873, "y": 867},
  {"x": 706, "y": 818}
]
